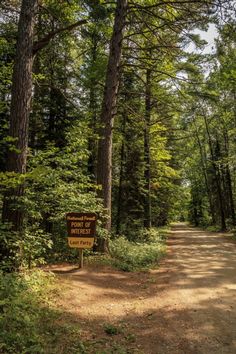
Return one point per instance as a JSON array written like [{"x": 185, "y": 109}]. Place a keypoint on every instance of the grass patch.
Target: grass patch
[
  {"x": 111, "y": 329},
  {"x": 213, "y": 228},
  {"x": 98, "y": 259},
  {"x": 132, "y": 256},
  {"x": 29, "y": 321},
  {"x": 233, "y": 235}
]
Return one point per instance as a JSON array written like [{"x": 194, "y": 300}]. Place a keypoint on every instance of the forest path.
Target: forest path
[{"x": 187, "y": 306}]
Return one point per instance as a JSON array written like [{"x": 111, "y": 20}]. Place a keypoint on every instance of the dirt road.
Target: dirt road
[{"x": 187, "y": 306}]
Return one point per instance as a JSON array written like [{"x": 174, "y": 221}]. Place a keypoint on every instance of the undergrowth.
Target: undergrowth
[
  {"x": 233, "y": 234},
  {"x": 29, "y": 321},
  {"x": 130, "y": 256}
]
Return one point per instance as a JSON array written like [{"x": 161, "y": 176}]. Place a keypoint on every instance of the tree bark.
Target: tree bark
[
  {"x": 121, "y": 177},
  {"x": 20, "y": 110},
  {"x": 92, "y": 142},
  {"x": 204, "y": 169},
  {"x": 147, "y": 170},
  {"x": 229, "y": 179},
  {"x": 104, "y": 173},
  {"x": 217, "y": 177}
]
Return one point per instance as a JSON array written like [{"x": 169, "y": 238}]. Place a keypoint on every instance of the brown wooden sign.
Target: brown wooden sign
[{"x": 81, "y": 228}]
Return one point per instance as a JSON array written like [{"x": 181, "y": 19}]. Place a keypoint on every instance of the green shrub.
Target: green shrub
[
  {"x": 9, "y": 248},
  {"x": 23, "y": 249},
  {"x": 111, "y": 329},
  {"x": 21, "y": 298},
  {"x": 29, "y": 321},
  {"x": 129, "y": 256},
  {"x": 233, "y": 233},
  {"x": 213, "y": 228}
]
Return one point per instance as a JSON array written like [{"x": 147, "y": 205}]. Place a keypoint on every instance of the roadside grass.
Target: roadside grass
[
  {"x": 212, "y": 228},
  {"x": 117, "y": 340},
  {"x": 233, "y": 236},
  {"x": 29, "y": 320},
  {"x": 142, "y": 254},
  {"x": 134, "y": 255},
  {"x": 230, "y": 233}
]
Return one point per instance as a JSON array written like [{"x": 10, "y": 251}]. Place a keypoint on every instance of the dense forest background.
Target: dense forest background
[{"x": 103, "y": 108}]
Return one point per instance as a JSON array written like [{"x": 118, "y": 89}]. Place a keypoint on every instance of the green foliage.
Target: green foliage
[
  {"x": 29, "y": 320},
  {"x": 111, "y": 330},
  {"x": 6, "y": 58},
  {"x": 9, "y": 246},
  {"x": 213, "y": 228},
  {"x": 65, "y": 126},
  {"x": 11, "y": 179},
  {"x": 34, "y": 247},
  {"x": 130, "y": 256},
  {"x": 233, "y": 234},
  {"x": 57, "y": 183},
  {"x": 25, "y": 249},
  {"x": 210, "y": 149},
  {"x": 22, "y": 299}
]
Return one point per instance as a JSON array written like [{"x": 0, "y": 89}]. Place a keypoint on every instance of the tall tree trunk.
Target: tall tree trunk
[
  {"x": 104, "y": 173},
  {"x": 35, "y": 119},
  {"x": 228, "y": 178},
  {"x": 20, "y": 110},
  {"x": 19, "y": 119},
  {"x": 121, "y": 178},
  {"x": 92, "y": 142},
  {"x": 217, "y": 176},
  {"x": 147, "y": 171},
  {"x": 204, "y": 169}
]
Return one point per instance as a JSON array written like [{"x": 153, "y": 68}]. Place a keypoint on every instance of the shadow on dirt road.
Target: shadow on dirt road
[{"x": 187, "y": 306}]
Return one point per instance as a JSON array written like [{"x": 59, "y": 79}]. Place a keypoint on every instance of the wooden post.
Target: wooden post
[{"x": 81, "y": 258}]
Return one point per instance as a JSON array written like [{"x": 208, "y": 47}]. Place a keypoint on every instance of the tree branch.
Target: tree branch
[{"x": 43, "y": 42}]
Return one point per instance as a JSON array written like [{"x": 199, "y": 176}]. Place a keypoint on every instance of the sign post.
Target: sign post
[
  {"x": 81, "y": 228},
  {"x": 81, "y": 258}
]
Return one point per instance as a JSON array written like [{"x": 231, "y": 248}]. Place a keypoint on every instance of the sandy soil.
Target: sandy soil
[{"x": 187, "y": 306}]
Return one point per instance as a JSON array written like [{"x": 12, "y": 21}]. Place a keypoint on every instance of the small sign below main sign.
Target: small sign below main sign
[{"x": 81, "y": 228}]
